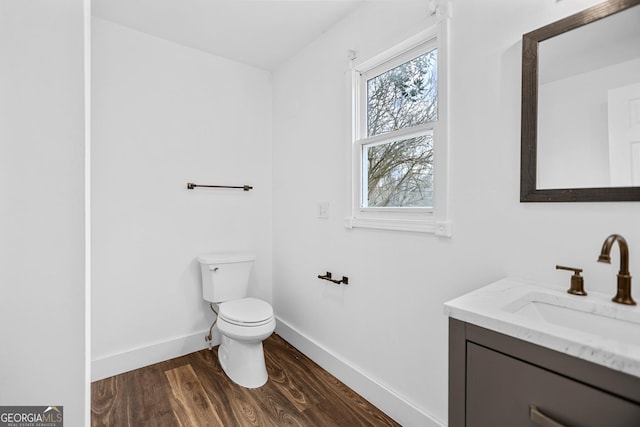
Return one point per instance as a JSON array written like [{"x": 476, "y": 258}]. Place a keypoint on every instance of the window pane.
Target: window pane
[
  {"x": 400, "y": 173},
  {"x": 404, "y": 96}
]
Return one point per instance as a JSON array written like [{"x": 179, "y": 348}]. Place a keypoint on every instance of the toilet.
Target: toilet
[{"x": 243, "y": 322}]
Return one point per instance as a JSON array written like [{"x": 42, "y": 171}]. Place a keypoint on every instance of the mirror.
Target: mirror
[{"x": 581, "y": 107}]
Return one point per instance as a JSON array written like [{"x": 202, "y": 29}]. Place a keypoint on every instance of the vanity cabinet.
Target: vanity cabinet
[{"x": 496, "y": 380}]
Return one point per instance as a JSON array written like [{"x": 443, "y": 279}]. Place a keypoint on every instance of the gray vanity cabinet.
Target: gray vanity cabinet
[{"x": 496, "y": 380}]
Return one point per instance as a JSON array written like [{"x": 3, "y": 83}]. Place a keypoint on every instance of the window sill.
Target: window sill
[{"x": 439, "y": 228}]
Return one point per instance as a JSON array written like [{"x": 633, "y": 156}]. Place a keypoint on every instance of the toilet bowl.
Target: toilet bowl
[
  {"x": 243, "y": 325},
  {"x": 243, "y": 322}
]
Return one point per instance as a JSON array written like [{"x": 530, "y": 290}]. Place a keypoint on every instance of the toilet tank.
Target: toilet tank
[{"x": 225, "y": 275}]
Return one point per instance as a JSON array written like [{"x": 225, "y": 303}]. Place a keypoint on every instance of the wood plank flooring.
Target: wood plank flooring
[{"x": 193, "y": 391}]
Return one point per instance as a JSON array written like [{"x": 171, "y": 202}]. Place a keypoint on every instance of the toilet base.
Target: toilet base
[{"x": 243, "y": 362}]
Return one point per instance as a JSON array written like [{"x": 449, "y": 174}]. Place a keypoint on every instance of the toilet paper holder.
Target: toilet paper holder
[{"x": 327, "y": 276}]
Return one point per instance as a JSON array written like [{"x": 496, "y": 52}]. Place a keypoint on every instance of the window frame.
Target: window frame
[{"x": 429, "y": 220}]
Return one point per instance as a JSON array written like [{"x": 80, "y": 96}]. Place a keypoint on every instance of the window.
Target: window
[
  {"x": 399, "y": 138},
  {"x": 400, "y": 109}
]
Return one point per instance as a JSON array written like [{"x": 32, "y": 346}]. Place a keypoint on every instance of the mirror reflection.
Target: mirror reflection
[{"x": 589, "y": 105}]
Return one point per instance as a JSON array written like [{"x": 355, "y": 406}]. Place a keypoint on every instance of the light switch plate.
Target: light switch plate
[{"x": 323, "y": 210}]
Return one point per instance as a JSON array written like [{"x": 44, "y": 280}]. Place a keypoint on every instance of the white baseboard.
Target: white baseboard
[
  {"x": 115, "y": 364},
  {"x": 390, "y": 402}
]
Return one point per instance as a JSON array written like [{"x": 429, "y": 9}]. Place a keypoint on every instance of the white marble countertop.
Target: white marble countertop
[{"x": 498, "y": 307}]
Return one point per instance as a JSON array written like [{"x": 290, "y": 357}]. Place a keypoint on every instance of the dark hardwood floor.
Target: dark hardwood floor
[{"x": 193, "y": 390}]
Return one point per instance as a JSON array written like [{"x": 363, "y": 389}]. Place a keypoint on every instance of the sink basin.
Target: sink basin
[
  {"x": 589, "y": 327},
  {"x": 597, "y": 319}
]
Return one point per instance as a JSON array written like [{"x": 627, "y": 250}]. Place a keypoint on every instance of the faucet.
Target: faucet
[{"x": 623, "y": 296}]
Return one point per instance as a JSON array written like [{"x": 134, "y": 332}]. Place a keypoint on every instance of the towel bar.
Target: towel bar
[{"x": 191, "y": 186}]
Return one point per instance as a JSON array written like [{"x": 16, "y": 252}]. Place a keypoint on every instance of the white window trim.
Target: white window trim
[{"x": 432, "y": 220}]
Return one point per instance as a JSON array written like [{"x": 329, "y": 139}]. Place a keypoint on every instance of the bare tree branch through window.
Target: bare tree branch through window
[{"x": 399, "y": 172}]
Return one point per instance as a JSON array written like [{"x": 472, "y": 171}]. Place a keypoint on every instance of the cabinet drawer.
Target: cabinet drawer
[{"x": 500, "y": 390}]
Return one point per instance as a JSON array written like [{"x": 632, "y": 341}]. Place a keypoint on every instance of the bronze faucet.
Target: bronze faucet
[
  {"x": 623, "y": 296},
  {"x": 577, "y": 281}
]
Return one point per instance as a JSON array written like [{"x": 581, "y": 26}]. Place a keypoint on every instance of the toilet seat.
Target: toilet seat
[{"x": 247, "y": 312}]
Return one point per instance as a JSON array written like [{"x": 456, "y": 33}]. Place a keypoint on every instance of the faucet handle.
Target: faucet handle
[{"x": 577, "y": 281}]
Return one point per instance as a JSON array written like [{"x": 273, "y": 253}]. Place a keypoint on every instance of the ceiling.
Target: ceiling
[{"x": 261, "y": 33}]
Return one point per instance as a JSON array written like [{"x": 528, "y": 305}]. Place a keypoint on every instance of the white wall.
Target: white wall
[
  {"x": 388, "y": 323},
  {"x": 42, "y": 348},
  {"x": 165, "y": 115}
]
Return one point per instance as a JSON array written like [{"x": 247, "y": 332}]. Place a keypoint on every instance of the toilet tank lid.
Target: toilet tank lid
[{"x": 226, "y": 257}]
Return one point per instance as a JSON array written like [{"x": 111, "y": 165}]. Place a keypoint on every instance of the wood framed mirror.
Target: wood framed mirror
[{"x": 570, "y": 117}]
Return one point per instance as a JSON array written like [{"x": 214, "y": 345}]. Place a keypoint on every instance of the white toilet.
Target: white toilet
[{"x": 243, "y": 322}]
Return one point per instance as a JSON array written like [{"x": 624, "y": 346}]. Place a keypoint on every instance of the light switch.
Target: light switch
[{"x": 323, "y": 210}]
